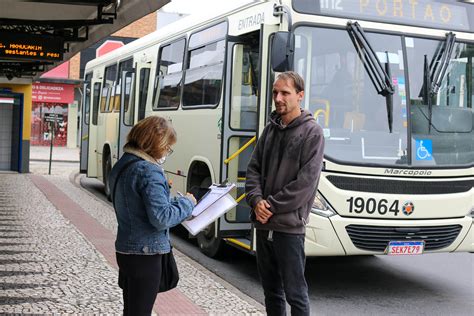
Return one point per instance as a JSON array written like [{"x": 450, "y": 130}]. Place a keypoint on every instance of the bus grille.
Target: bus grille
[
  {"x": 376, "y": 238},
  {"x": 400, "y": 186}
]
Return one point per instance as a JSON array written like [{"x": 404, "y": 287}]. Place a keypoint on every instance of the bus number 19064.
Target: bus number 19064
[{"x": 359, "y": 205}]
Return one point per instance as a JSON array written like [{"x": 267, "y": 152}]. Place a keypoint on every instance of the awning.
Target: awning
[{"x": 31, "y": 31}]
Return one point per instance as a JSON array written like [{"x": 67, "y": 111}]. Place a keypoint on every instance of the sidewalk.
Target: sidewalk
[{"x": 57, "y": 256}]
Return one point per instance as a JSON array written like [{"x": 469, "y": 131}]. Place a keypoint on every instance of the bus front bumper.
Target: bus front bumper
[{"x": 339, "y": 236}]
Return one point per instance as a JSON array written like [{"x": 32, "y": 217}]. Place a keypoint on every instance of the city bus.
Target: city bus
[{"x": 390, "y": 82}]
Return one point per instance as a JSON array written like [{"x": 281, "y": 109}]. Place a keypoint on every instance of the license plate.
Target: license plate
[{"x": 403, "y": 248}]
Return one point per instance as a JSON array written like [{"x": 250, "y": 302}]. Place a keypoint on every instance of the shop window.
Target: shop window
[{"x": 41, "y": 131}]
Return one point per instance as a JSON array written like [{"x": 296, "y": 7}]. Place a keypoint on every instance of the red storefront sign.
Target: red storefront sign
[{"x": 53, "y": 92}]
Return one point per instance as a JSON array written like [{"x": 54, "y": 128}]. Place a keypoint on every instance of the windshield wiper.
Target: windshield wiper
[
  {"x": 434, "y": 74},
  {"x": 438, "y": 72},
  {"x": 379, "y": 76},
  {"x": 442, "y": 63}
]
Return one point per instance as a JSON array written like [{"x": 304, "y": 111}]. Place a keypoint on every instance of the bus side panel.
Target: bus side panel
[{"x": 198, "y": 135}]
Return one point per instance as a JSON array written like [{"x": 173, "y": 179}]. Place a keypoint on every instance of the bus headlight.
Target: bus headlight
[
  {"x": 472, "y": 213},
  {"x": 321, "y": 207}
]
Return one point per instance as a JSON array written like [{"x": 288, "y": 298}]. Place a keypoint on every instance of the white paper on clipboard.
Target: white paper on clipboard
[
  {"x": 215, "y": 194},
  {"x": 210, "y": 214}
]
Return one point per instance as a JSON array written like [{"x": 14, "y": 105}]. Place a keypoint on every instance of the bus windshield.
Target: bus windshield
[{"x": 353, "y": 115}]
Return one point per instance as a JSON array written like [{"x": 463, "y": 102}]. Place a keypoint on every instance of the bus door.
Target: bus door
[
  {"x": 96, "y": 87},
  {"x": 239, "y": 126},
  {"x": 244, "y": 118},
  {"x": 85, "y": 121},
  {"x": 127, "y": 102}
]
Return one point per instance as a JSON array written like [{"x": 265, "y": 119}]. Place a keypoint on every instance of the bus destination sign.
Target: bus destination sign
[
  {"x": 440, "y": 14},
  {"x": 30, "y": 47}
]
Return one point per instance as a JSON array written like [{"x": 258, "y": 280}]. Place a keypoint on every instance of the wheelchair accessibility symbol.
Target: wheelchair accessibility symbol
[{"x": 424, "y": 149}]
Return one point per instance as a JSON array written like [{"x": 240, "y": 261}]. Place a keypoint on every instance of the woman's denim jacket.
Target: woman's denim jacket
[{"x": 144, "y": 208}]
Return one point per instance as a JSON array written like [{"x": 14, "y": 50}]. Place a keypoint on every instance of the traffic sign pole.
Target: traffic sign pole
[
  {"x": 52, "y": 119},
  {"x": 51, "y": 128}
]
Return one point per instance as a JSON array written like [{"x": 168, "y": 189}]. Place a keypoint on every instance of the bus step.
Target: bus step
[{"x": 241, "y": 243}]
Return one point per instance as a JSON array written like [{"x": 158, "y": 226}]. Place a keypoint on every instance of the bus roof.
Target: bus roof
[{"x": 168, "y": 32}]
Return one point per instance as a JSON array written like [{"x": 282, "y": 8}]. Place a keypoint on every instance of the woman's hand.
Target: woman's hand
[{"x": 191, "y": 197}]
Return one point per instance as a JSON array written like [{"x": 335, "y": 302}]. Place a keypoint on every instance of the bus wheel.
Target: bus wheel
[
  {"x": 209, "y": 244},
  {"x": 106, "y": 173}
]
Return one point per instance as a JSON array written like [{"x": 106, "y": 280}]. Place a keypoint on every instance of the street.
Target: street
[{"x": 431, "y": 284}]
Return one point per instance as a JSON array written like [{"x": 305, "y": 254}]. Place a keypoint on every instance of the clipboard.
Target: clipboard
[
  {"x": 207, "y": 191},
  {"x": 216, "y": 203},
  {"x": 215, "y": 193}
]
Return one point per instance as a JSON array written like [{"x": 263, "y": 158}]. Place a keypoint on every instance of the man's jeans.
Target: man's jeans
[{"x": 281, "y": 263}]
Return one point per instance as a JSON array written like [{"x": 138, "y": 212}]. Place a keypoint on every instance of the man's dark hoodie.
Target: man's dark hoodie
[{"x": 284, "y": 170}]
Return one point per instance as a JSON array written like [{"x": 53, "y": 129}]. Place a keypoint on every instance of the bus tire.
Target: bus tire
[
  {"x": 106, "y": 173},
  {"x": 209, "y": 244}
]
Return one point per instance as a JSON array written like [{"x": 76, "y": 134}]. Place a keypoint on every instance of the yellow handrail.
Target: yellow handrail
[
  {"x": 247, "y": 144},
  {"x": 240, "y": 198},
  {"x": 324, "y": 112}
]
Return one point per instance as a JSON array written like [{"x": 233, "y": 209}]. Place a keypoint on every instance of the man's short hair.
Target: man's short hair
[{"x": 298, "y": 81}]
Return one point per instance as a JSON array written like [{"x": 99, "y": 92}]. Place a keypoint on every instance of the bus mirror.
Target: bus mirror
[{"x": 282, "y": 51}]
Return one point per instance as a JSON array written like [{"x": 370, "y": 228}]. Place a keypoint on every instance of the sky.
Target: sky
[{"x": 200, "y": 6}]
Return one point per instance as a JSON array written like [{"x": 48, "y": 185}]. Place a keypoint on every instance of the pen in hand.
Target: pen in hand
[{"x": 188, "y": 195}]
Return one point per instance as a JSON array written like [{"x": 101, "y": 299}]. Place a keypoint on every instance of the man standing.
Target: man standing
[{"x": 282, "y": 179}]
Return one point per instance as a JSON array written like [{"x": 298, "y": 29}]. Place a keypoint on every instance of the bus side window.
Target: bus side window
[
  {"x": 116, "y": 103},
  {"x": 104, "y": 97},
  {"x": 129, "y": 99},
  {"x": 169, "y": 76},
  {"x": 87, "y": 96},
  {"x": 87, "y": 99},
  {"x": 124, "y": 66},
  {"x": 203, "y": 79},
  {"x": 108, "y": 91},
  {"x": 243, "y": 114},
  {"x": 143, "y": 92},
  {"x": 95, "y": 103},
  {"x": 205, "y": 65}
]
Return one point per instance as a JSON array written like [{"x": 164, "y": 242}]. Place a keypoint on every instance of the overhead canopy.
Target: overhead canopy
[{"x": 36, "y": 35}]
